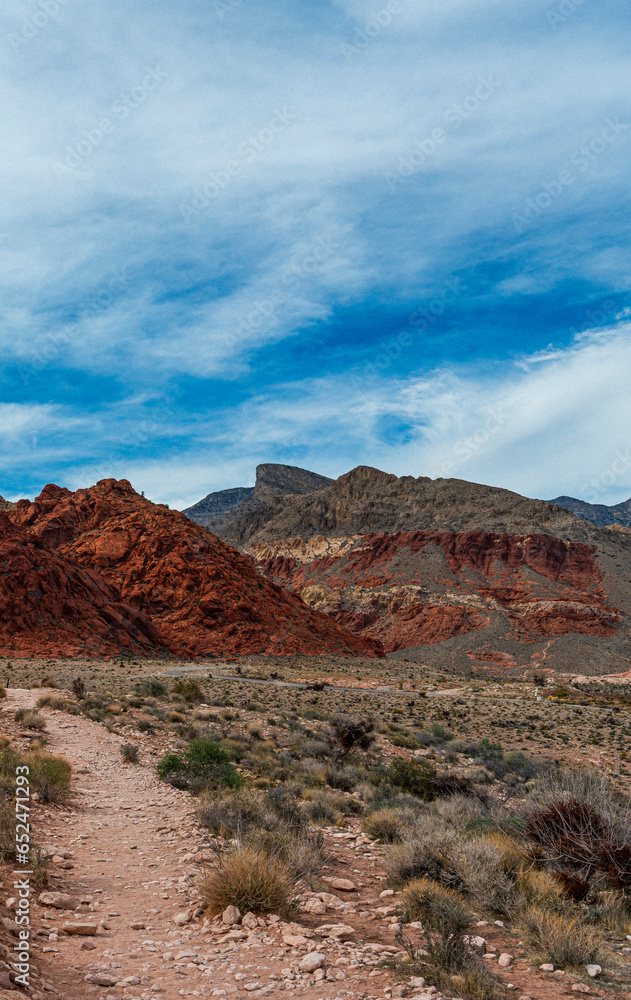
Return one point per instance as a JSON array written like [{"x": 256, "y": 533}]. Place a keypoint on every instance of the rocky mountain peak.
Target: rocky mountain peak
[{"x": 275, "y": 480}]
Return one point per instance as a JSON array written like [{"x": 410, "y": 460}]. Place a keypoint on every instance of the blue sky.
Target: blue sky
[{"x": 392, "y": 233}]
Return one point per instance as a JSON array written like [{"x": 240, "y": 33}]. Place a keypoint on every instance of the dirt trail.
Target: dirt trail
[
  {"x": 131, "y": 838},
  {"x": 134, "y": 850}
]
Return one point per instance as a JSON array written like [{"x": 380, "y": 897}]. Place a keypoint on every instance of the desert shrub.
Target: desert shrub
[
  {"x": 480, "y": 869},
  {"x": 78, "y": 688},
  {"x": 188, "y": 689},
  {"x": 347, "y": 734},
  {"x": 322, "y": 810},
  {"x": 512, "y": 767},
  {"x": 7, "y": 832},
  {"x": 387, "y": 825},
  {"x": 176, "y": 717},
  {"x": 57, "y": 704},
  {"x": 49, "y": 775},
  {"x": 151, "y": 687},
  {"x": 129, "y": 753},
  {"x": 445, "y": 919},
  {"x": 339, "y": 778},
  {"x": 413, "y": 777},
  {"x": 144, "y": 725},
  {"x": 250, "y": 879},
  {"x": 233, "y": 813},
  {"x": 47, "y": 682},
  {"x": 566, "y": 941},
  {"x": 420, "y": 856},
  {"x": 584, "y": 829},
  {"x": 30, "y": 719},
  {"x": 3, "y": 691},
  {"x": 205, "y": 764},
  {"x": 283, "y": 800}
]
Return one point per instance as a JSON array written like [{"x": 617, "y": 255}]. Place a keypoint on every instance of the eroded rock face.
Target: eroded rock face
[
  {"x": 200, "y": 595},
  {"x": 51, "y": 606},
  {"x": 420, "y": 588}
]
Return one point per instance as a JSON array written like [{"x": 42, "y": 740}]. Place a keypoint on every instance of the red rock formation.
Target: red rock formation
[
  {"x": 420, "y": 588},
  {"x": 50, "y": 607},
  {"x": 202, "y": 596}
]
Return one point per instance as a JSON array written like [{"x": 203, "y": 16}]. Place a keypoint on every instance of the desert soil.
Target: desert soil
[{"x": 135, "y": 856}]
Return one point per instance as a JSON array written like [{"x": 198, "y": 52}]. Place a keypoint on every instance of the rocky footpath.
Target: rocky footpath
[{"x": 197, "y": 595}]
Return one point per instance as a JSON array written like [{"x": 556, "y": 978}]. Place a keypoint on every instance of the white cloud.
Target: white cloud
[{"x": 544, "y": 428}]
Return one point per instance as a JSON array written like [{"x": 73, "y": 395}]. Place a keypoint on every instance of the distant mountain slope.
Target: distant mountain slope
[
  {"x": 6, "y": 504},
  {"x": 216, "y": 504},
  {"x": 450, "y": 572},
  {"x": 598, "y": 513},
  {"x": 218, "y": 510}
]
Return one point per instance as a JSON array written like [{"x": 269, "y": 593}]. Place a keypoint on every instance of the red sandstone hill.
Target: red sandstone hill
[
  {"x": 200, "y": 595},
  {"x": 450, "y": 572},
  {"x": 48, "y": 606}
]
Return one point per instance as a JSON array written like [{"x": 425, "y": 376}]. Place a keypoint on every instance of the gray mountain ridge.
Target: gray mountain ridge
[
  {"x": 598, "y": 513},
  {"x": 218, "y": 510}
]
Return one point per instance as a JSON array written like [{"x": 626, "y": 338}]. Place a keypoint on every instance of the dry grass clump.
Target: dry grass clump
[
  {"x": 234, "y": 813},
  {"x": 58, "y": 704},
  {"x": 563, "y": 940},
  {"x": 613, "y": 913},
  {"x": 129, "y": 753},
  {"x": 49, "y": 774},
  {"x": 247, "y": 877},
  {"x": 537, "y": 887},
  {"x": 30, "y": 719},
  {"x": 388, "y": 825},
  {"x": 445, "y": 919}
]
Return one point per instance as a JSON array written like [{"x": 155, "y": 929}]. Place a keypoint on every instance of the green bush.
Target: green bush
[
  {"x": 205, "y": 764},
  {"x": 188, "y": 689},
  {"x": 415, "y": 778}
]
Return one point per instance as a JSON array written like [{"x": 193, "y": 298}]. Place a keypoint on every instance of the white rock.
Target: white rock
[
  {"x": 231, "y": 915},
  {"x": 182, "y": 918},
  {"x": 341, "y": 931},
  {"x": 593, "y": 970},
  {"x": 505, "y": 961},
  {"x": 314, "y": 960},
  {"x": 546, "y": 967},
  {"x": 476, "y": 942}
]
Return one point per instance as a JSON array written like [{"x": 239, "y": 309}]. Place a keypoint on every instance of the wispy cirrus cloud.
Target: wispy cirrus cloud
[{"x": 303, "y": 255}]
